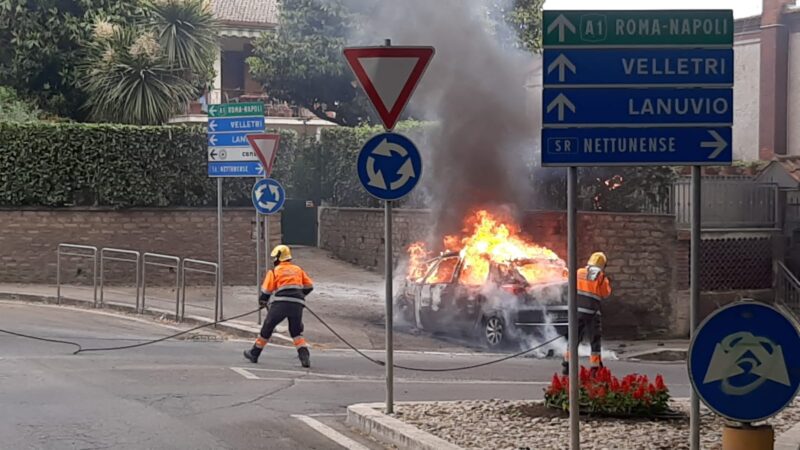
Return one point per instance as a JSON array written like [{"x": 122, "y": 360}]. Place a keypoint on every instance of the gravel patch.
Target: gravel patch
[{"x": 517, "y": 425}]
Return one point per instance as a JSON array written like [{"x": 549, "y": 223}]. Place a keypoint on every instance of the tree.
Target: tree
[
  {"x": 12, "y": 109},
  {"x": 145, "y": 72},
  {"x": 42, "y": 47},
  {"x": 523, "y": 23},
  {"x": 302, "y": 62}
]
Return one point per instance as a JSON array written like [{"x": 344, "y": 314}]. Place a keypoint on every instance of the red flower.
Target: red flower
[
  {"x": 615, "y": 386},
  {"x": 639, "y": 392},
  {"x": 556, "y": 384},
  {"x": 651, "y": 389},
  {"x": 584, "y": 375},
  {"x": 660, "y": 383}
]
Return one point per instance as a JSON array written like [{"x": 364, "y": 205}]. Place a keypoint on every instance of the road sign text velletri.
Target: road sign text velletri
[{"x": 628, "y": 28}]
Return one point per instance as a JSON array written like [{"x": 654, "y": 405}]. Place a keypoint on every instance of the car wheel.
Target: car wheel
[
  {"x": 494, "y": 332},
  {"x": 405, "y": 307}
]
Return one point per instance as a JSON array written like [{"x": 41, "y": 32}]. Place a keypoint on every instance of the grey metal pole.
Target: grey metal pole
[
  {"x": 266, "y": 243},
  {"x": 389, "y": 316},
  {"x": 572, "y": 252},
  {"x": 58, "y": 275},
  {"x": 694, "y": 302},
  {"x": 258, "y": 260},
  {"x": 219, "y": 247},
  {"x": 389, "y": 313}
]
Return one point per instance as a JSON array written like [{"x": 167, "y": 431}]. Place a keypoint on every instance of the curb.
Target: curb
[
  {"x": 236, "y": 330},
  {"x": 789, "y": 440},
  {"x": 367, "y": 418}
]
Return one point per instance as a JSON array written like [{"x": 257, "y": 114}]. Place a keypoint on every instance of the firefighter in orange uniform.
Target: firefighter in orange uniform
[
  {"x": 593, "y": 288},
  {"x": 283, "y": 291}
]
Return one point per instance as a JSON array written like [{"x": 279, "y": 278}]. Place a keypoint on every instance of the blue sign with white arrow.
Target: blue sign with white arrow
[
  {"x": 268, "y": 196},
  {"x": 229, "y": 151},
  {"x": 235, "y": 124},
  {"x": 744, "y": 363},
  {"x": 592, "y": 67},
  {"x": 636, "y": 146},
  {"x": 632, "y": 88},
  {"x": 228, "y": 140},
  {"x": 389, "y": 166},
  {"x": 620, "y": 107}
]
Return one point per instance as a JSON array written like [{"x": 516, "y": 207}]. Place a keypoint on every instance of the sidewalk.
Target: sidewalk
[{"x": 349, "y": 298}]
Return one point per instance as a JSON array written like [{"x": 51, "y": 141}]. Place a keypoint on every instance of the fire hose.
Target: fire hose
[{"x": 322, "y": 321}]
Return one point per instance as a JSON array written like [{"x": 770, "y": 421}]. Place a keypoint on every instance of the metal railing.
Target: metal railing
[
  {"x": 176, "y": 266},
  {"x": 181, "y": 311},
  {"x": 787, "y": 289},
  {"x": 729, "y": 203},
  {"x": 103, "y": 258},
  {"x": 60, "y": 253}
]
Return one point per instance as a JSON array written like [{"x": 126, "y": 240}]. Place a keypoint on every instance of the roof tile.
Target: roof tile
[{"x": 255, "y": 12}]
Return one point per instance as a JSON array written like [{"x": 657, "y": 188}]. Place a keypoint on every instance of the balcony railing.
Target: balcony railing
[
  {"x": 729, "y": 203},
  {"x": 787, "y": 289}
]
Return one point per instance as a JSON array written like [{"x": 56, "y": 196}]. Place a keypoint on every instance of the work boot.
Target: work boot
[
  {"x": 252, "y": 354},
  {"x": 564, "y": 367},
  {"x": 305, "y": 357}
]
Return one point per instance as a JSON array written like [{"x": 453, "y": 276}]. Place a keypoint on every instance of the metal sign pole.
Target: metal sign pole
[
  {"x": 219, "y": 246},
  {"x": 258, "y": 260},
  {"x": 694, "y": 302},
  {"x": 389, "y": 313},
  {"x": 572, "y": 251}
]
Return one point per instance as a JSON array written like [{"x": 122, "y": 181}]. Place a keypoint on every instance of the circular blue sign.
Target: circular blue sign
[
  {"x": 744, "y": 361},
  {"x": 389, "y": 166},
  {"x": 268, "y": 196}
]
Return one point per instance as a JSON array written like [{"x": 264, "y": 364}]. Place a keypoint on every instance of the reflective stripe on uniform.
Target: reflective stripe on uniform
[
  {"x": 289, "y": 286},
  {"x": 261, "y": 342},
  {"x": 593, "y": 312},
  {"x": 300, "y": 341},
  {"x": 287, "y": 299},
  {"x": 595, "y": 360}
]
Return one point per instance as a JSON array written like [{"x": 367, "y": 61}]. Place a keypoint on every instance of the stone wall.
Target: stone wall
[
  {"x": 29, "y": 238},
  {"x": 641, "y": 250}
]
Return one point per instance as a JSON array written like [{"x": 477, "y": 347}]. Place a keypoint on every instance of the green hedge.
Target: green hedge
[{"x": 47, "y": 164}]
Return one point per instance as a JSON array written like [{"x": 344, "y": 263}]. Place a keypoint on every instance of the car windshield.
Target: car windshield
[{"x": 541, "y": 271}]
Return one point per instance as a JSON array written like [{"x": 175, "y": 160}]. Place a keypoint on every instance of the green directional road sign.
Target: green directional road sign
[
  {"x": 638, "y": 28},
  {"x": 236, "y": 110}
]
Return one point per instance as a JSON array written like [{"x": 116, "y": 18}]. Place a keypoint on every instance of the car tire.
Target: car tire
[
  {"x": 405, "y": 307},
  {"x": 493, "y": 331}
]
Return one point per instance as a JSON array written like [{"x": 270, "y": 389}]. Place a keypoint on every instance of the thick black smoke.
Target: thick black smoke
[{"x": 481, "y": 151}]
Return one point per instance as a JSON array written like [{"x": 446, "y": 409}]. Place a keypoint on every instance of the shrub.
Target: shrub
[{"x": 604, "y": 394}]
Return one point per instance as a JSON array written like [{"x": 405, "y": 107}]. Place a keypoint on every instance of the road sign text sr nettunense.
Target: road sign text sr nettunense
[
  {"x": 389, "y": 166},
  {"x": 744, "y": 363}
]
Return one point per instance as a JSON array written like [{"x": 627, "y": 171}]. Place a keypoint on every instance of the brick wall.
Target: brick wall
[
  {"x": 641, "y": 250},
  {"x": 29, "y": 238}
]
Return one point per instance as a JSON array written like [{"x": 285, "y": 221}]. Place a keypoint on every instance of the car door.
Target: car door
[{"x": 429, "y": 298}]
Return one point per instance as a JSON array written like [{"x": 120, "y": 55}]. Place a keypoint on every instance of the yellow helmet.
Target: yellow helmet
[
  {"x": 282, "y": 253},
  {"x": 598, "y": 259}
]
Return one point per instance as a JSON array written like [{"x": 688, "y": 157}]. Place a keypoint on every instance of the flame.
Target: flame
[{"x": 488, "y": 239}]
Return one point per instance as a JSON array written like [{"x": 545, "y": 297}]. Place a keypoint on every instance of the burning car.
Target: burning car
[{"x": 492, "y": 282}]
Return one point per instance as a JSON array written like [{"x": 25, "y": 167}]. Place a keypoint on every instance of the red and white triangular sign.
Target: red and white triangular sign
[
  {"x": 266, "y": 147},
  {"x": 389, "y": 76}
]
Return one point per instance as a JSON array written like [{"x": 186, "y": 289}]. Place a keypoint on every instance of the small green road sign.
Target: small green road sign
[
  {"x": 638, "y": 28},
  {"x": 236, "y": 110}
]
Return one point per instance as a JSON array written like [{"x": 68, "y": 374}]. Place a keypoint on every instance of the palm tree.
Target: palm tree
[{"x": 147, "y": 72}]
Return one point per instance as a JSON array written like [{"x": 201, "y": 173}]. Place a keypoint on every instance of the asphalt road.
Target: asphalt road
[{"x": 200, "y": 393}]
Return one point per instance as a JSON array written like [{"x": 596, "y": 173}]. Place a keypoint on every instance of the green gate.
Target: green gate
[{"x": 299, "y": 222}]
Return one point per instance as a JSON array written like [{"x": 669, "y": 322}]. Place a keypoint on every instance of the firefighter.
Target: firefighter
[
  {"x": 283, "y": 292},
  {"x": 593, "y": 288}
]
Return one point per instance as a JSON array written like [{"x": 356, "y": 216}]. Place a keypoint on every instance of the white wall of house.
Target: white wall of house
[
  {"x": 747, "y": 57},
  {"x": 794, "y": 95}
]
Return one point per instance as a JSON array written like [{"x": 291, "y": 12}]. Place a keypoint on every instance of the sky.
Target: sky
[{"x": 741, "y": 8}]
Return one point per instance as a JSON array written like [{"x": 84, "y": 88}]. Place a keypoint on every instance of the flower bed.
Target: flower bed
[{"x": 601, "y": 393}]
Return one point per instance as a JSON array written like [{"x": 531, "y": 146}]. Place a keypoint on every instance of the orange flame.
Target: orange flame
[{"x": 487, "y": 239}]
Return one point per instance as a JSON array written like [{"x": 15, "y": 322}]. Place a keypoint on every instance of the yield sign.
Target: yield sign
[
  {"x": 266, "y": 147},
  {"x": 389, "y": 76}
]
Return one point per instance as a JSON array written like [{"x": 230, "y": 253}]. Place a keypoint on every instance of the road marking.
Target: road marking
[
  {"x": 248, "y": 373},
  {"x": 245, "y": 373},
  {"x": 330, "y": 433}
]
